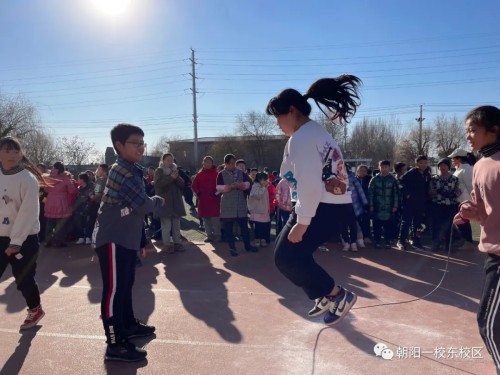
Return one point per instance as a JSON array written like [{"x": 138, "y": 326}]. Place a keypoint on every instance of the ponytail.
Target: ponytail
[
  {"x": 339, "y": 95},
  {"x": 470, "y": 158},
  {"x": 28, "y": 165}
]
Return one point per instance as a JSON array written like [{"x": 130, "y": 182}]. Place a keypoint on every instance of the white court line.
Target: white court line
[
  {"x": 161, "y": 290},
  {"x": 161, "y": 341}
]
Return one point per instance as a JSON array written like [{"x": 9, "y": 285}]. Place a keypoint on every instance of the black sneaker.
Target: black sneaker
[
  {"x": 417, "y": 244},
  {"x": 139, "y": 329},
  {"x": 377, "y": 245},
  {"x": 233, "y": 252},
  {"x": 251, "y": 249},
  {"x": 125, "y": 352}
]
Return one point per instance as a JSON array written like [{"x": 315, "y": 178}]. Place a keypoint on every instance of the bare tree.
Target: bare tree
[
  {"x": 409, "y": 148},
  {"x": 259, "y": 128},
  {"x": 226, "y": 144},
  {"x": 374, "y": 139},
  {"x": 77, "y": 151},
  {"x": 335, "y": 129},
  {"x": 448, "y": 135},
  {"x": 18, "y": 116},
  {"x": 40, "y": 147},
  {"x": 163, "y": 144}
]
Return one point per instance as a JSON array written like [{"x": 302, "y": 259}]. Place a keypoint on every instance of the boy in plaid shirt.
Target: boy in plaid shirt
[{"x": 117, "y": 238}]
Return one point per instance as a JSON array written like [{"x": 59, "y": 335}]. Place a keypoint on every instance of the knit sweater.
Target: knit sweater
[
  {"x": 233, "y": 202},
  {"x": 19, "y": 207},
  {"x": 444, "y": 190},
  {"x": 311, "y": 154}
]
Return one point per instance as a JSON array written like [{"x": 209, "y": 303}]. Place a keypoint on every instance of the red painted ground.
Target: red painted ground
[{"x": 216, "y": 314}]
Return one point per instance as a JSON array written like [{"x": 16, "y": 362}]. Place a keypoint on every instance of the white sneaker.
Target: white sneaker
[
  {"x": 321, "y": 305},
  {"x": 80, "y": 241},
  {"x": 361, "y": 244},
  {"x": 88, "y": 241},
  {"x": 346, "y": 246},
  {"x": 354, "y": 247}
]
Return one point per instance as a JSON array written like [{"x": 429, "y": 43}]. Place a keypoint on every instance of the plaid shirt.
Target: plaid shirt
[
  {"x": 359, "y": 199},
  {"x": 125, "y": 185},
  {"x": 123, "y": 206}
]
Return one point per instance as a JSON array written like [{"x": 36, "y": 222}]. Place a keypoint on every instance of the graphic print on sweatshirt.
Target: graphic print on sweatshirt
[
  {"x": 292, "y": 183},
  {"x": 7, "y": 200},
  {"x": 333, "y": 165}
]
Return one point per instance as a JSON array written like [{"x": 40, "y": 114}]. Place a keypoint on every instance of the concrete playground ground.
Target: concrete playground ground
[{"x": 217, "y": 314}]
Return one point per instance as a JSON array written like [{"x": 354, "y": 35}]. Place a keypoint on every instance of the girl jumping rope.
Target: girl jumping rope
[
  {"x": 19, "y": 224},
  {"x": 314, "y": 166}
]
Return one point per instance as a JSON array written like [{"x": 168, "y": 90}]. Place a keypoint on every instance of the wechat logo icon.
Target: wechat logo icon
[{"x": 381, "y": 350}]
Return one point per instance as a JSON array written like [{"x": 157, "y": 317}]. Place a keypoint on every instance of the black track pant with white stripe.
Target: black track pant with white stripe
[
  {"x": 118, "y": 275},
  {"x": 488, "y": 315}
]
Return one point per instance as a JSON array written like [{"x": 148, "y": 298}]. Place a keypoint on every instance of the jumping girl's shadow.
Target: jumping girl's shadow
[{"x": 202, "y": 290}]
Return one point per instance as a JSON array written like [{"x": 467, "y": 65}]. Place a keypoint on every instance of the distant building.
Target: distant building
[{"x": 268, "y": 155}]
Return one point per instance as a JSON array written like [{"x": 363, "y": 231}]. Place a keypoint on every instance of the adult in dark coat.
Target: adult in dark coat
[{"x": 169, "y": 185}]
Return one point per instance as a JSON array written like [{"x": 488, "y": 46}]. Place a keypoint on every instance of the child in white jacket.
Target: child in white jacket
[{"x": 258, "y": 206}]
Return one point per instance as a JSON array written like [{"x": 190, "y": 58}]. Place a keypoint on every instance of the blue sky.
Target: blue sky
[{"x": 86, "y": 70}]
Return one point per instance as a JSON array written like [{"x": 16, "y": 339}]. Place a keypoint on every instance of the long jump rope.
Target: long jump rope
[{"x": 438, "y": 285}]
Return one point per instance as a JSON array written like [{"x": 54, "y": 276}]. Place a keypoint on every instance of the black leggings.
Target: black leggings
[
  {"x": 488, "y": 317},
  {"x": 23, "y": 268},
  {"x": 295, "y": 260}
]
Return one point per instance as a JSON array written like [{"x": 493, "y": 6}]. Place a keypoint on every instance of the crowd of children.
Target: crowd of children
[{"x": 109, "y": 208}]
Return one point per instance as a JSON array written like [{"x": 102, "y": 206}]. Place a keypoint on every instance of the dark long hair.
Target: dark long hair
[
  {"x": 339, "y": 96},
  {"x": 11, "y": 143},
  {"x": 469, "y": 159}
]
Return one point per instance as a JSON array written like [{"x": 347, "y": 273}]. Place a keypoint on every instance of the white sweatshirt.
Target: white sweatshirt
[
  {"x": 303, "y": 163},
  {"x": 19, "y": 206},
  {"x": 464, "y": 174}
]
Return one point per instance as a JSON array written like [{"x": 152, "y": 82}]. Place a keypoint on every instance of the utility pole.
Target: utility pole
[
  {"x": 420, "y": 120},
  {"x": 195, "y": 115}
]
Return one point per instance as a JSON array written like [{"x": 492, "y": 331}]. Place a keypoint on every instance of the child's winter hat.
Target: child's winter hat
[{"x": 445, "y": 161}]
